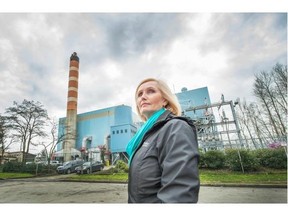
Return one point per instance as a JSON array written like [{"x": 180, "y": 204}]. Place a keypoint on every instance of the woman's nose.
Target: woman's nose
[{"x": 143, "y": 96}]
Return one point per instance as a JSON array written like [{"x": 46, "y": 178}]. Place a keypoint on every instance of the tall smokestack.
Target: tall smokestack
[{"x": 71, "y": 117}]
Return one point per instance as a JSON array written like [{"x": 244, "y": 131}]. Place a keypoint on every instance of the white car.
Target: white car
[{"x": 55, "y": 163}]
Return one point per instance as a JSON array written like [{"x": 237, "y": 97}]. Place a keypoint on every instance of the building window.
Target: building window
[
  {"x": 126, "y": 131},
  {"x": 117, "y": 131},
  {"x": 121, "y": 131},
  {"x": 113, "y": 132}
]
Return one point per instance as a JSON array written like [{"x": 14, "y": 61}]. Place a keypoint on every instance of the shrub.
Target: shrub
[
  {"x": 275, "y": 158},
  {"x": 239, "y": 159},
  {"x": 109, "y": 171},
  {"x": 201, "y": 159},
  {"x": 212, "y": 159},
  {"x": 121, "y": 166},
  {"x": 18, "y": 167},
  {"x": 13, "y": 167}
]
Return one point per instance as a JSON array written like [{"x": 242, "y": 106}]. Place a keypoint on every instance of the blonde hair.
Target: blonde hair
[{"x": 172, "y": 101}]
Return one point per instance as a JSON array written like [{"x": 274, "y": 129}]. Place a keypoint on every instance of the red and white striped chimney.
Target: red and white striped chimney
[{"x": 71, "y": 117}]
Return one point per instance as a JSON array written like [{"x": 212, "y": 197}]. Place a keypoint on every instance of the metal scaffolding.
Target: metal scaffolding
[{"x": 217, "y": 131}]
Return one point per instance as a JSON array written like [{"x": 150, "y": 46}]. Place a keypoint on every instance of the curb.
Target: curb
[
  {"x": 201, "y": 185},
  {"x": 246, "y": 185}
]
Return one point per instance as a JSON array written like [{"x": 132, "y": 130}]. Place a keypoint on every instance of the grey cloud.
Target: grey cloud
[
  {"x": 242, "y": 30},
  {"x": 38, "y": 66},
  {"x": 252, "y": 39},
  {"x": 130, "y": 34}
]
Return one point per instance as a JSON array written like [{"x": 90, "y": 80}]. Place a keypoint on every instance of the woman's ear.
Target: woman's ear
[{"x": 165, "y": 102}]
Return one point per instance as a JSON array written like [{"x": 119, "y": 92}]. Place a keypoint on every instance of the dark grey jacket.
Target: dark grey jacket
[{"x": 164, "y": 168}]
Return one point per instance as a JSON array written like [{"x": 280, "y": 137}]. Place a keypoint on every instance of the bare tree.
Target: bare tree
[
  {"x": 266, "y": 127},
  {"x": 27, "y": 120},
  {"x": 279, "y": 74},
  {"x": 5, "y": 139},
  {"x": 271, "y": 90},
  {"x": 256, "y": 123},
  {"x": 244, "y": 120},
  {"x": 263, "y": 91},
  {"x": 53, "y": 139}
]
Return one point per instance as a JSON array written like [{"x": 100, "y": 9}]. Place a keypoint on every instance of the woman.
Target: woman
[{"x": 163, "y": 154}]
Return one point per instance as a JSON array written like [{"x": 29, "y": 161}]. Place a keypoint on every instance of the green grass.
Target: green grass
[
  {"x": 269, "y": 177},
  {"x": 206, "y": 177},
  {"x": 116, "y": 177},
  {"x": 228, "y": 177},
  {"x": 14, "y": 175}
]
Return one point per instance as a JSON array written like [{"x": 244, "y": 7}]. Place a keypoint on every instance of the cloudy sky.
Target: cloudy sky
[
  {"x": 219, "y": 50},
  {"x": 222, "y": 51}
]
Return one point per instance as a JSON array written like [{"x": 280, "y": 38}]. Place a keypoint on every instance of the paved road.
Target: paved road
[{"x": 49, "y": 190}]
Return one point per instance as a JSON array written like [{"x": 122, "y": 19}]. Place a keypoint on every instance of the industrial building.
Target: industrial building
[
  {"x": 92, "y": 135},
  {"x": 103, "y": 134},
  {"x": 216, "y": 123},
  {"x": 113, "y": 127},
  {"x": 109, "y": 129},
  {"x": 193, "y": 98}
]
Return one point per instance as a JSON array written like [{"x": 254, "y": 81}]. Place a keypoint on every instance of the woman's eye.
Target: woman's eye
[
  {"x": 150, "y": 91},
  {"x": 140, "y": 94}
]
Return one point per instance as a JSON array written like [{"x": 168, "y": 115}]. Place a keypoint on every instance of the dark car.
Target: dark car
[
  {"x": 86, "y": 167},
  {"x": 69, "y": 166}
]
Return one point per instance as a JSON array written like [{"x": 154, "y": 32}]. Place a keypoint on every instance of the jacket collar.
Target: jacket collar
[
  {"x": 168, "y": 115},
  {"x": 164, "y": 116}
]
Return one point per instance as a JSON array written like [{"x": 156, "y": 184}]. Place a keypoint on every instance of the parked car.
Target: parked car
[
  {"x": 55, "y": 163},
  {"x": 29, "y": 162},
  {"x": 86, "y": 167},
  {"x": 69, "y": 166},
  {"x": 41, "y": 162}
]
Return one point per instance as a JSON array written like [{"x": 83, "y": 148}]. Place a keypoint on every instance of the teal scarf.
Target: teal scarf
[{"x": 136, "y": 140}]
